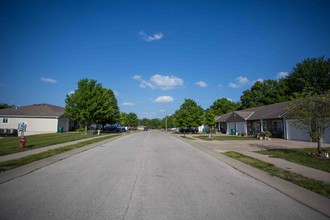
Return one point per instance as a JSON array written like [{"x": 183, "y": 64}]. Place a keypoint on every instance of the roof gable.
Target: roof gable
[{"x": 36, "y": 110}]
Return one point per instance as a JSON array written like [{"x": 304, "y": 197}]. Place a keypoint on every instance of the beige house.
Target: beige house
[
  {"x": 40, "y": 119},
  {"x": 264, "y": 118}
]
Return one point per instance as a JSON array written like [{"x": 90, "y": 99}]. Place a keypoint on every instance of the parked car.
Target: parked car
[
  {"x": 114, "y": 128},
  {"x": 188, "y": 130}
]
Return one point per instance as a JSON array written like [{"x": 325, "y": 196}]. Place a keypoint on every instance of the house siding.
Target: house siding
[{"x": 35, "y": 125}]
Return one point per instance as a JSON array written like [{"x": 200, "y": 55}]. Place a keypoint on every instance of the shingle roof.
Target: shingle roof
[
  {"x": 37, "y": 110},
  {"x": 272, "y": 111}
]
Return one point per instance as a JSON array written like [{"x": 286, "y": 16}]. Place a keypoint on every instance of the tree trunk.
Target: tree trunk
[{"x": 319, "y": 145}]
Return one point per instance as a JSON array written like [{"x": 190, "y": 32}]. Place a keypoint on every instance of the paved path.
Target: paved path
[{"x": 147, "y": 175}]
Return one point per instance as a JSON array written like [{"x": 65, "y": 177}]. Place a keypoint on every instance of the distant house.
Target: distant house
[
  {"x": 40, "y": 118},
  {"x": 264, "y": 118}
]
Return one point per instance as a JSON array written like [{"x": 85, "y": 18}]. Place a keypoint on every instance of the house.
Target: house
[
  {"x": 40, "y": 118},
  {"x": 264, "y": 118}
]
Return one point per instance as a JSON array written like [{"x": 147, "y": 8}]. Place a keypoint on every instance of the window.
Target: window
[{"x": 4, "y": 120}]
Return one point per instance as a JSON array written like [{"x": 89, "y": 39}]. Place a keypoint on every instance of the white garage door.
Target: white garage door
[
  {"x": 326, "y": 136},
  {"x": 240, "y": 127},
  {"x": 295, "y": 133},
  {"x": 229, "y": 127}
]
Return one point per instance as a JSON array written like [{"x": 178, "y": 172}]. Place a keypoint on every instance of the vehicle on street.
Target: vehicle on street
[
  {"x": 188, "y": 130},
  {"x": 114, "y": 129}
]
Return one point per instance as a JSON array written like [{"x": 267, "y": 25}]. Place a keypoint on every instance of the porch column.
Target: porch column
[{"x": 261, "y": 126}]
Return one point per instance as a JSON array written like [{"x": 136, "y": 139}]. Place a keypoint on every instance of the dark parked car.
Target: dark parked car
[
  {"x": 114, "y": 128},
  {"x": 188, "y": 130}
]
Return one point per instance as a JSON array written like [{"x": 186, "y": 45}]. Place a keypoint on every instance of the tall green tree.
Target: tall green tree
[
  {"x": 108, "y": 111},
  {"x": 264, "y": 93},
  {"x": 189, "y": 115},
  {"x": 209, "y": 119},
  {"x": 312, "y": 75},
  {"x": 123, "y": 118},
  {"x": 311, "y": 113},
  {"x": 223, "y": 106},
  {"x": 91, "y": 103},
  {"x": 132, "y": 120}
]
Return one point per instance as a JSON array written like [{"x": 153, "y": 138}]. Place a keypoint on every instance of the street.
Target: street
[{"x": 145, "y": 175}]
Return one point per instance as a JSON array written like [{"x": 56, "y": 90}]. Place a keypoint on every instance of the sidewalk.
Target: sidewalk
[
  {"x": 300, "y": 194},
  {"x": 42, "y": 149},
  {"x": 248, "y": 148}
]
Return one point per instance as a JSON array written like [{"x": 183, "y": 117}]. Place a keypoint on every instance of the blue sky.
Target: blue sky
[{"x": 154, "y": 54}]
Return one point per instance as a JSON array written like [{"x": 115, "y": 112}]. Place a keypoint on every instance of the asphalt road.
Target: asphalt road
[{"x": 147, "y": 175}]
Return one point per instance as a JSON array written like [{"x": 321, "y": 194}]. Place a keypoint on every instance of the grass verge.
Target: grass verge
[
  {"x": 300, "y": 156},
  {"x": 314, "y": 185},
  {"x": 224, "y": 138},
  {"x": 11, "y": 164},
  {"x": 10, "y": 145}
]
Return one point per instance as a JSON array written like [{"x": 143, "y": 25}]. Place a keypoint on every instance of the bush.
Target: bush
[{"x": 243, "y": 134}]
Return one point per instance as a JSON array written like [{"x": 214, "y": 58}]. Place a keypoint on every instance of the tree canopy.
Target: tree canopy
[
  {"x": 311, "y": 75},
  {"x": 223, "y": 106},
  {"x": 91, "y": 103},
  {"x": 189, "y": 115},
  {"x": 312, "y": 114},
  {"x": 264, "y": 93}
]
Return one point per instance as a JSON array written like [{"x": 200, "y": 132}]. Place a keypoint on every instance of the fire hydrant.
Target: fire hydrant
[{"x": 22, "y": 141}]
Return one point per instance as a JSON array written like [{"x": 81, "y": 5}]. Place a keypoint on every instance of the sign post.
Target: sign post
[{"x": 22, "y": 129}]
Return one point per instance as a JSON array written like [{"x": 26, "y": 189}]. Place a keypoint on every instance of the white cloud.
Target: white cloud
[
  {"x": 233, "y": 85},
  {"x": 159, "y": 81},
  {"x": 164, "y": 99},
  {"x": 128, "y": 104},
  {"x": 201, "y": 84},
  {"x": 48, "y": 80},
  {"x": 162, "y": 110},
  {"x": 240, "y": 81},
  {"x": 116, "y": 93},
  {"x": 136, "y": 77},
  {"x": 145, "y": 84},
  {"x": 281, "y": 75},
  {"x": 166, "y": 82},
  {"x": 71, "y": 92},
  {"x": 149, "y": 38}
]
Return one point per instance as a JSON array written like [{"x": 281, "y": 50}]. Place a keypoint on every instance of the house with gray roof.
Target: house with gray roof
[
  {"x": 264, "y": 118},
  {"x": 40, "y": 118}
]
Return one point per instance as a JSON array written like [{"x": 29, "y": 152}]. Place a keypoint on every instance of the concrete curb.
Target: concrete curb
[{"x": 300, "y": 194}]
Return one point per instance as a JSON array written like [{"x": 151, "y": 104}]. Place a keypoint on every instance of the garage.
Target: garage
[
  {"x": 230, "y": 126},
  {"x": 295, "y": 133},
  {"x": 240, "y": 127}
]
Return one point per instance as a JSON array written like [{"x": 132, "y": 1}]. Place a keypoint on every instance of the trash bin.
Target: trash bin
[
  {"x": 233, "y": 132},
  {"x": 60, "y": 129}
]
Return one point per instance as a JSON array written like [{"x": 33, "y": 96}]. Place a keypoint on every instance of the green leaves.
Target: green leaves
[
  {"x": 91, "y": 103},
  {"x": 189, "y": 114}
]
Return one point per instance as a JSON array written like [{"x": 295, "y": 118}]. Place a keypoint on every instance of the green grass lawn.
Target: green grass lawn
[
  {"x": 300, "y": 156},
  {"x": 314, "y": 185},
  {"x": 9, "y": 145},
  {"x": 224, "y": 138},
  {"x": 11, "y": 164}
]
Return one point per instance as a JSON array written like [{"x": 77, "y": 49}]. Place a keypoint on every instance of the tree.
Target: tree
[
  {"x": 91, "y": 103},
  {"x": 209, "y": 119},
  {"x": 123, "y": 118},
  {"x": 312, "y": 114},
  {"x": 223, "y": 106},
  {"x": 311, "y": 75},
  {"x": 3, "y": 105},
  {"x": 264, "y": 93},
  {"x": 132, "y": 120},
  {"x": 108, "y": 111},
  {"x": 189, "y": 114}
]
